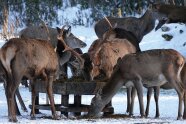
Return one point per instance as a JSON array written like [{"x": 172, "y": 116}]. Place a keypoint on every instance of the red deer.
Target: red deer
[
  {"x": 138, "y": 70},
  {"x": 107, "y": 54},
  {"x": 104, "y": 52},
  {"x": 32, "y": 58},
  {"x": 48, "y": 33},
  {"x": 138, "y": 26},
  {"x": 173, "y": 14}
]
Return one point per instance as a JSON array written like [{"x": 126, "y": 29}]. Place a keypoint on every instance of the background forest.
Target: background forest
[{"x": 19, "y": 13}]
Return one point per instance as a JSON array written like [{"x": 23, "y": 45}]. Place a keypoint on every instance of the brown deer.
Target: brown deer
[
  {"x": 138, "y": 26},
  {"x": 105, "y": 57},
  {"x": 138, "y": 70},
  {"x": 50, "y": 34},
  {"x": 104, "y": 52},
  {"x": 173, "y": 13},
  {"x": 32, "y": 58}
]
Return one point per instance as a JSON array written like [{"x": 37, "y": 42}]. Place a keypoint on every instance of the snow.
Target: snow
[{"x": 168, "y": 99}]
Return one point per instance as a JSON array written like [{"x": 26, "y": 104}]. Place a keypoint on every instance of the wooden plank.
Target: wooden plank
[
  {"x": 66, "y": 88},
  {"x": 58, "y": 87},
  {"x": 71, "y": 108},
  {"x": 84, "y": 88}
]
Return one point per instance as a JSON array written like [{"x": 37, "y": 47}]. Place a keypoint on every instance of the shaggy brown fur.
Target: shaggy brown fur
[{"x": 107, "y": 54}]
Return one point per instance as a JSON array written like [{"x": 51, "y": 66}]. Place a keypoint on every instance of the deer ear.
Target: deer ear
[
  {"x": 58, "y": 29},
  {"x": 156, "y": 6},
  {"x": 68, "y": 31},
  {"x": 115, "y": 25}
]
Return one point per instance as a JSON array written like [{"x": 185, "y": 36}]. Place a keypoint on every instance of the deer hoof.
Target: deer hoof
[
  {"x": 142, "y": 116},
  {"x": 157, "y": 116},
  {"x": 33, "y": 118},
  {"x": 56, "y": 117},
  {"x": 14, "y": 119},
  {"x": 130, "y": 115},
  {"x": 184, "y": 117},
  {"x": 179, "y": 118}
]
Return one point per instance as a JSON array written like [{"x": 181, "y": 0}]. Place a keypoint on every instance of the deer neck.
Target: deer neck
[{"x": 147, "y": 22}]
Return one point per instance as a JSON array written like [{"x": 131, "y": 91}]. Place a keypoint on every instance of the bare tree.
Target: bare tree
[{"x": 5, "y": 18}]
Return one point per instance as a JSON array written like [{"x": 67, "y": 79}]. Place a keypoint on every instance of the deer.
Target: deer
[
  {"x": 107, "y": 53},
  {"x": 173, "y": 14},
  {"x": 138, "y": 26},
  {"x": 137, "y": 70},
  {"x": 115, "y": 43},
  {"x": 50, "y": 34},
  {"x": 32, "y": 58}
]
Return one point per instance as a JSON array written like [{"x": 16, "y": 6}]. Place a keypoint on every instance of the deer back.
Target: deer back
[
  {"x": 40, "y": 32},
  {"x": 29, "y": 57}
]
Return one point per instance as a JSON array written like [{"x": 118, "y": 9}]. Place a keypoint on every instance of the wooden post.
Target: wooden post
[
  {"x": 65, "y": 103},
  {"x": 77, "y": 103}
]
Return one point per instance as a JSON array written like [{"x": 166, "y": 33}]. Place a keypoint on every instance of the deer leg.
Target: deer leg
[
  {"x": 149, "y": 94},
  {"x": 21, "y": 100},
  {"x": 180, "y": 96},
  {"x": 17, "y": 109},
  {"x": 51, "y": 97},
  {"x": 139, "y": 87},
  {"x": 129, "y": 90},
  {"x": 32, "y": 114},
  {"x": 184, "y": 101},
  {"x": 156, "y": 97},
  {"x": 177, "y": 85},
  {"x": 11, "y": 88},
  {"x": 133, "y": 95}
]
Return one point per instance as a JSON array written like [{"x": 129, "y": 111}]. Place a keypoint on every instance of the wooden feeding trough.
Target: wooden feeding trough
[{"x": 71, "y": 88}]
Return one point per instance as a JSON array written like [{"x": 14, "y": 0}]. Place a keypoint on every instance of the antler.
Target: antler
[
  {"x": 108, "y": 22},
  {"x": 67, "y": 48}
]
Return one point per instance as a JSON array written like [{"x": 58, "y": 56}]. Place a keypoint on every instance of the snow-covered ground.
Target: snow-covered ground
[{"x": 168, "y": 99}]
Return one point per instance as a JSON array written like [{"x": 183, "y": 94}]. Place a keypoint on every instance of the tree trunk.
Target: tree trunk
[{"x": 5, "y": 18}]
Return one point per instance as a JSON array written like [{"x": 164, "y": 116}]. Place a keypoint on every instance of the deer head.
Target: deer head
[
  {"x": 65, "y": 33},
  {"x": 69, "y": 38}
]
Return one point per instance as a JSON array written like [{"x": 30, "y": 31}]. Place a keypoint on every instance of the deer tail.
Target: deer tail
[
  {"x": 6, "y": 56},
  {"x": 180, "y": 63}
]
